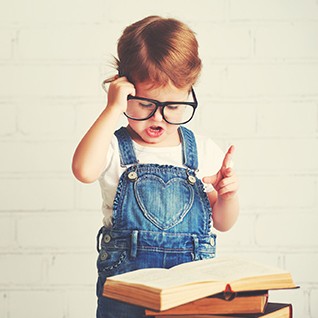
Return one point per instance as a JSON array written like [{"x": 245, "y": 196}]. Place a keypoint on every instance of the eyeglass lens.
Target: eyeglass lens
[{"x": 174, "y": 113}]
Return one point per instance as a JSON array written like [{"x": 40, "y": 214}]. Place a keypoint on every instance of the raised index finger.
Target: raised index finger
[{"x": 227, "y": 161}]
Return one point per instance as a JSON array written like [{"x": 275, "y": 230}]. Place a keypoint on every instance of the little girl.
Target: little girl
[{"x": 157, "y": 210}]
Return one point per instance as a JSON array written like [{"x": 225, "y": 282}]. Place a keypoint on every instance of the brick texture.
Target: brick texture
[{"x": 258, "y": 91}]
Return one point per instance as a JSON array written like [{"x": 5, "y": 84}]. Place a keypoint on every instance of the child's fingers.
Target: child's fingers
[
  {"x": 225, "y": 172},
  {"x": 228, "y": 172},
  {"x": 226, "y": 182},
  {"x": 210, "y": 180},
  {"x": 229, "y": 187},
  {"x": 217, "y": 178},
  {"x": 227, "y": 161}
]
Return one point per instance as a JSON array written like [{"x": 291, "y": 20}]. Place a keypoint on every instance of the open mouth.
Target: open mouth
[
  {"x": 156, "y": 128},
  {"x": 155, "y": 131}
]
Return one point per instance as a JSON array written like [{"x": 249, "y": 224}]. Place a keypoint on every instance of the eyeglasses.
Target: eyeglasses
[{"x": 175, "y": 113}]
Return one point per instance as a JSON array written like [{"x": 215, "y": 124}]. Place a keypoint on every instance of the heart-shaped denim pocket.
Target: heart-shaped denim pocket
[{"x": 165, "y": 204}]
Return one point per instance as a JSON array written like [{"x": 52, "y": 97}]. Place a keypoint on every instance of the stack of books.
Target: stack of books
[{"x": 219, "y": 287}]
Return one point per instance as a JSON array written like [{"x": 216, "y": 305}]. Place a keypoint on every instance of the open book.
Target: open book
[{"x": 161, "y": 289}]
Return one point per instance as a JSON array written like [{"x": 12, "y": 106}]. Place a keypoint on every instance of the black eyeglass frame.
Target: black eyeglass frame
[{"x": 194, "y": 104}]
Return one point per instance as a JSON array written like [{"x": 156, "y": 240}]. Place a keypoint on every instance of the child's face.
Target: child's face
[{"x": 155, "y": 131}]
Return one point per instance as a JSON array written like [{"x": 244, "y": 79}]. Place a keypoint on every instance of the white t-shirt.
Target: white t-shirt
[{"x": 210, "y": 158}]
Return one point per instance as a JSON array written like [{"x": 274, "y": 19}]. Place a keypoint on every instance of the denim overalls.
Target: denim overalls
[{"x": 161, "y": 218}]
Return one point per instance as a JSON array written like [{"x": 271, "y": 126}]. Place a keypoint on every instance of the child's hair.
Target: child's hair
[{"x": 159, "y": 50}]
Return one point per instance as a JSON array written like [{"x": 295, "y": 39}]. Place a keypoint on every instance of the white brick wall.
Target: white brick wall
[{"x": 258, "y": 90}]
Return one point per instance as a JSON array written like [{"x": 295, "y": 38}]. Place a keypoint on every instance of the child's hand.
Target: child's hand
[
  {"x": 225, "y": 181},
  {"x": 118, "y": 91}
]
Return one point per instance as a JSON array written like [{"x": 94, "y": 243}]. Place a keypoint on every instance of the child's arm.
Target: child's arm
[
  {"x": 224, "y": 200},
  {"x": 89, "y": 158}
]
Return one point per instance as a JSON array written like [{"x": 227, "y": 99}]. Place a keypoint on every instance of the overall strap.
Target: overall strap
[
  {"x": 126, "y": 148},
  {"x": 189, "y": 146}
]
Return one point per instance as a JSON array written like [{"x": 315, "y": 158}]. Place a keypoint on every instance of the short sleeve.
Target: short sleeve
[{"x": 112, "y": 151}]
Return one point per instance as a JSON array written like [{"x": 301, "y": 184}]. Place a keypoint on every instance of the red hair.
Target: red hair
[{"x": 160, "y": 51}]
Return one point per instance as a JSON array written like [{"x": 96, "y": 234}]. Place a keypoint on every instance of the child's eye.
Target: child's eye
[
  {"x": 172, "y": 107},
  {"x": 146, "y": 105}
]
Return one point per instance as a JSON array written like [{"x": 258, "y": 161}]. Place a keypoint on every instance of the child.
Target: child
[{"x": 157, "y": 211}]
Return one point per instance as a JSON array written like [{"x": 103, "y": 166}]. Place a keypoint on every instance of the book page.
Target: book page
[
  {"x": 156, "y": 278},
  {"x": 226, "y": 269},
  {"x": 222, "y": 269}
]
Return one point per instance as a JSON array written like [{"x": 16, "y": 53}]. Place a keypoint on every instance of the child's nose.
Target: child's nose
[{"x": 157, "y": 116}]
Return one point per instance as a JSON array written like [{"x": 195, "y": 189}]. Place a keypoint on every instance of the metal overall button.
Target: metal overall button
[
  {"x": 192, "y": 179},
  {"x": 103, "y": 256},
  {"x": 212, "y": 241},
  {"x": 107, "y": 238},
  {"x": 132, "y": 176}
]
